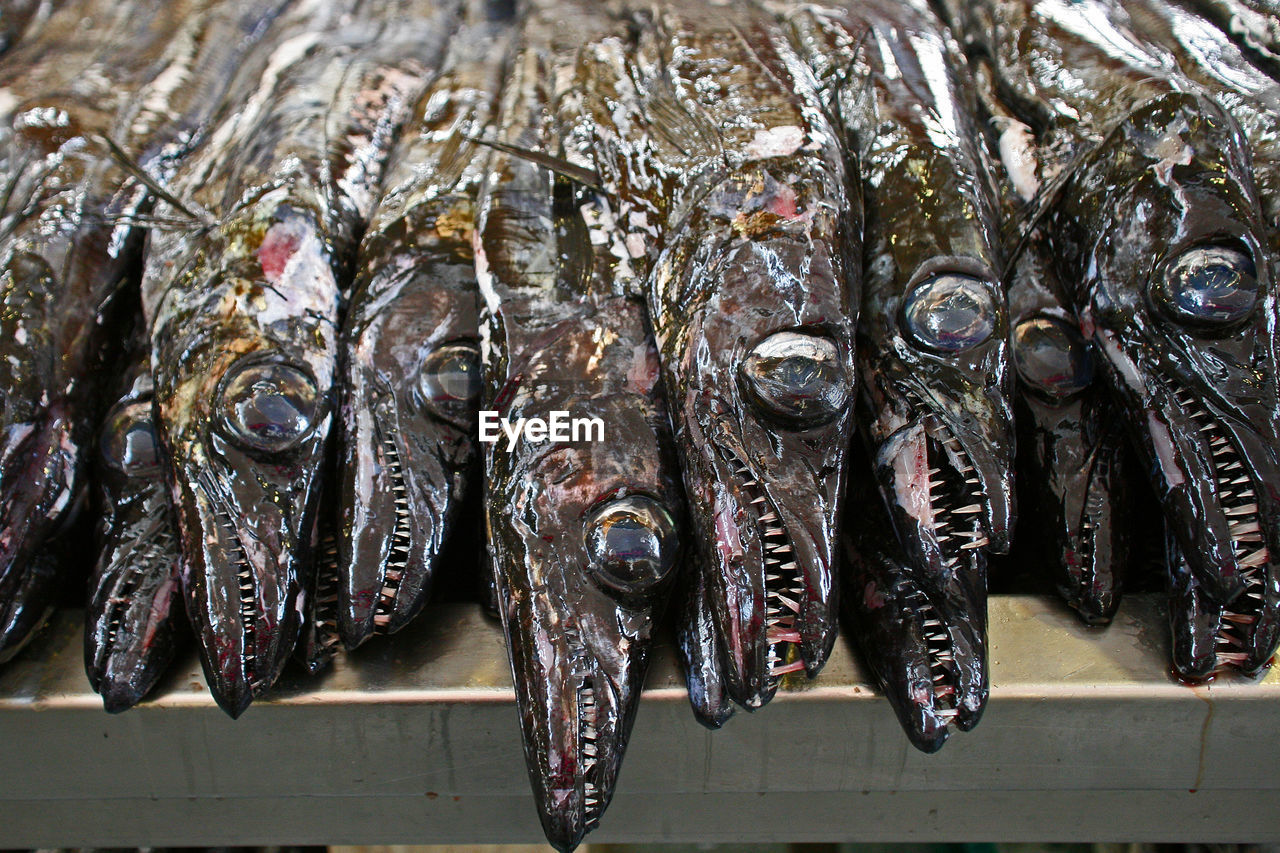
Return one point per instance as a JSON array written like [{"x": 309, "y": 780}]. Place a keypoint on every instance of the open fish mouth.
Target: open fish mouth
[
  {"x": 1236, "y": 491},
  {"x": 784, "y": 584},
  {"x": 133, "y": 596},
  {"x": 940, "y": 656},
  {"x": 243, "y": 604},
  {"x": 957, "y": 505},
  {"x": 1091, "y": 588},
  {"x": 589, "y": 754},
  {"x": 1237, "y": 495}
]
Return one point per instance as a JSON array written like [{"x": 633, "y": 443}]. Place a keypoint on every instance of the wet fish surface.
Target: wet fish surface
[
  {"x": 1156, "y": 223},
  {"x": 730, "y": 174},
  {"x": 244, "y": 312},
  {"x": 75, "y": 101},
  {"x": 411, "y": 375},
  {"x": 933, "y": 361},
  {"x": 134, "y": 623},
  {"x": 584, "y": 533}
]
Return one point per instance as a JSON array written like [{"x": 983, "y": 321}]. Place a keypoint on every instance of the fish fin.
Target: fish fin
[
  {"x": 133, "y": 168},
  {"x": 577, "y": 174}
]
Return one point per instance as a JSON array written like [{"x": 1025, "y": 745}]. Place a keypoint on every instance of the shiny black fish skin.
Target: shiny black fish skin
[
  {"x": 1160, "y": 178},
  {"x": 1253, "y": 24},
  {"x": 1253, "y": 99},
  {"x": 133, "y": 616},
  {"x": 1073, "y": 463},
  {"x": 895, "y": 625},
  {"x": 935, "y": 407},
  {"x": 244, "y": 312},
  {"x": 731, "y": 175},
  {"x": 141, "y": 74},
  {"x": 411, "y": 374},
  {"x": 698, "y": 645},
  {"x": 558, "y": 333}
]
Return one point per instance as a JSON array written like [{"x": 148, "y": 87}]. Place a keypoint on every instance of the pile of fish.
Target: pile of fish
[{"x": 782, "y": 310}]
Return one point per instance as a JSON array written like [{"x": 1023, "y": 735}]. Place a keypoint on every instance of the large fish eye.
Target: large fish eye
[
  {"x": 129, "y": 441},
  {"x": 1207, "y": 286},
  {"x": 797, "y": 377},
  {"x": 1052, "y": 357},
  {"x": 269, "y": 406},
  {"x": 450, "y": 380},
  {"x": 950, "y": 312},
  {"x": 632, "y": 544}
]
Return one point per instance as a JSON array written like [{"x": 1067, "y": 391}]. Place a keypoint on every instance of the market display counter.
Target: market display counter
[{"x": 415, "y": 740}]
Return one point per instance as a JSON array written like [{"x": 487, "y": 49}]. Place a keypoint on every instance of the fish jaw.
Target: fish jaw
[
  {"x": 1074, "y": 476},
  {"x": 131, "y": 627},
  {"x": 240, "y": 568},
  {"x": 699, "y": 648},
  {"x": 1200, "y": 396},
  {"x": 407, "y": 453},
  {"x": 941, "y": 434},
  {"x": 764, "y": 490}
]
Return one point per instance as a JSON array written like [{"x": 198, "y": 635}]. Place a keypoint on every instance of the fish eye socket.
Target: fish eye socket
[
  {"x": 797, "y": 377},
  {"x": 269, "y": 406},
  {"x": 1052, "y": 357},
  {"x": 450, "y": 380},
  {"x": 950, "y": 313},
  {"x": 1207, "y": 286},
  {"x": 632, "y": 544},
  {"x": 129, "y": 441}
]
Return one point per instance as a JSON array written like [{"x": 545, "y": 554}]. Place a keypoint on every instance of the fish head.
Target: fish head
[
  {"x": 1073, "y": 463},
  {"x": 1177, "y": 286},
  {"x": 935, "y": 403},
  {"x": 761, "y": 383},
  {"x": 585, "y": 539},
  {"x": 413, "y": 382},
  {"x": 243, "y": 358},
  {"x": 130, "y": 631}
]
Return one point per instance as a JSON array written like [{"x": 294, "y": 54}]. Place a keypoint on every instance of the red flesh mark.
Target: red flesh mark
[{"x": 277, "y": 248}]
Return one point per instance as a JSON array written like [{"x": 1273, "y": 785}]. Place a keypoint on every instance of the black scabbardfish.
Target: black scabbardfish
[
  {"x": 935, "y": 400},
  {"x": 1159, "y": 235},
  {"x": 1074, "y": 466},
  {"x": 1208, "y": 635},
  {"x": 584, "y": 534},
  {"x": 133, "y": 618},
  {"x": 244, "y": 311},
  {"x": 411, "y": 374},
  {"x": 730, "y": 174},
  {"x": 74, "y": 101}
]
